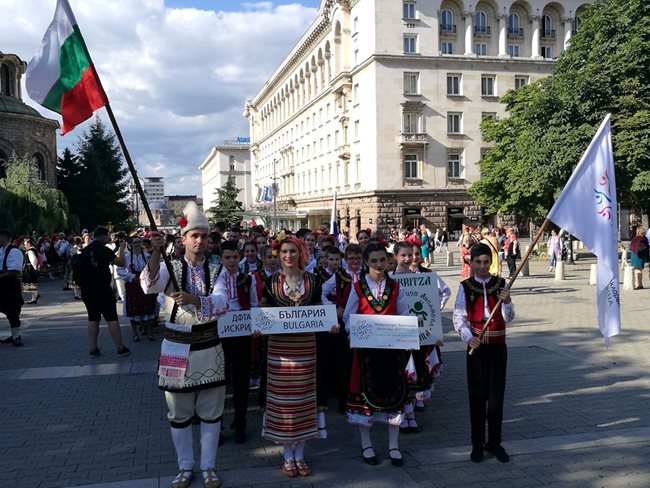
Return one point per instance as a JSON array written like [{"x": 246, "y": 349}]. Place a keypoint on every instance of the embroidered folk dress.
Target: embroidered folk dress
[
  {"x": 137, "y": 305},
  {"x": 378, "y": 386},
  {"x": 291, "y": 400}
]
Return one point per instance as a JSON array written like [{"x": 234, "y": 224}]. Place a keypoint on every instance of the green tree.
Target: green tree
[
  {"x": 97, "y": 193},
  {"x": 226, "y": 207},
  {"x": 27, "y": 202},
  {"x": 552, "y": 121}
]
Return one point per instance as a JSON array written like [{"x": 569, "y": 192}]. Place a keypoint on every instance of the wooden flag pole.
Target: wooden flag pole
[
  {"x": 138, "y": 186},
  {"x": 511, "y": 282}
]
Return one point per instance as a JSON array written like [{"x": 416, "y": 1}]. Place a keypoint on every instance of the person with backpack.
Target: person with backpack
[
  {"x": 92, "y": 274},
  {"x": 11, "y": 296},
  {"x": 639, "y": 250}
]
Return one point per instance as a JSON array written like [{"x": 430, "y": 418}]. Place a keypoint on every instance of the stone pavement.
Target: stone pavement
[{"x": 576, "y": 414}]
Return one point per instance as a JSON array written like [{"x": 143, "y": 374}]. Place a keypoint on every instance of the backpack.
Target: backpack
[{"x": 80, "y": 264}]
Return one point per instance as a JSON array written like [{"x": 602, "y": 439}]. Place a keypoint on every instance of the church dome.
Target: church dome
[{"x": 10, "y": 105}]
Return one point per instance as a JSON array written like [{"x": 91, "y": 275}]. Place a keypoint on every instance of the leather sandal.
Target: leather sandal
[
  {"x": 289, "y": 468},
  {"x": 210, "y": 478},
  {"x": 183, "y": 478},
  {"x": 303, "y": 469}
]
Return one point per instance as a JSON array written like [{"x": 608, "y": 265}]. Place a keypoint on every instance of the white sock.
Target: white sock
[
  {"x": 15, "y": 332},
  {"x": 322, "y": 425},
  {"x": 299, "y": 451},
  {"x": 420, "y": 403},
  {"x": 393, "y": 438},
  {"x": 209, "y": 444},
  {"x": 366, "y": 441},
  {"x": 288, "y": 452},
  {"x": 183, "y": 443}
]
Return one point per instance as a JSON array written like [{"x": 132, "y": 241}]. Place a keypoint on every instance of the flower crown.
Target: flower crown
[
  {"x": 277, "y": 243},
  {"x": 182, "y": 222}
]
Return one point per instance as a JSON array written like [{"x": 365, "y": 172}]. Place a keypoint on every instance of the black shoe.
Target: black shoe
[
  {"x": 65, "y": 288},
  {"x": 18, "y": 341},
  {"x": 499, "y": 452},
  {"x": 123, "y": 352},
  {"x": 477, "y": 455},
  {"x": 397, "y": 462},
  {"x": 240, "y": 436},
  {"x": 94, "y": 353},
  {"x": 8, "y": 340},
  {"x": 372, "y": 461}
]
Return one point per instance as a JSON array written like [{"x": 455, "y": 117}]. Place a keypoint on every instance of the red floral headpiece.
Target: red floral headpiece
[{"x": 182, "y": 222}]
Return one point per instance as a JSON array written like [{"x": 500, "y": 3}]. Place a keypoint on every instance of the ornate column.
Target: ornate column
[
  {"x": 469, "y": 35},
  {"x": 568, "y": 29},
  {"x": 535, "y": 45},
  {"x": 503, "y": 34}
]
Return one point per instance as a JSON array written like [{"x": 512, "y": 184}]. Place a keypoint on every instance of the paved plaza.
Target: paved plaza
[{"x": 576, "y": 414}]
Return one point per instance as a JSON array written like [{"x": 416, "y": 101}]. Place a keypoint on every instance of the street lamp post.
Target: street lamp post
[{"x": 29, "y": 188}]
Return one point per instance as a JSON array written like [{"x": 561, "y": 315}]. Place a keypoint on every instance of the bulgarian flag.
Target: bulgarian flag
[{"x": 61, "y": 76}]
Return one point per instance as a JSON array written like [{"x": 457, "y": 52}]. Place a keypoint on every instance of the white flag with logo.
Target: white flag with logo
[{"x": 587, "y": 209}]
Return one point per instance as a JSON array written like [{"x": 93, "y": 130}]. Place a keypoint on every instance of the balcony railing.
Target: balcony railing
[
  {"x": 515, "y": 33},
  {"x": 548, "y": 34},
  {"x": 447, "y": 29},
  {"x": 343, "y": 151},
  {"x": 416, "y": 138},
  {"x": 482, "y": 31}
]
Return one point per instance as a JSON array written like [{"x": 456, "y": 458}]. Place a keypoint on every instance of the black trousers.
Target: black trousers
[
  {"x": 343, "y": 368},
  {"x": 486, "y": 384},
  {"x": 512, "y": 264},
  {"x": 237, "y": 351}
]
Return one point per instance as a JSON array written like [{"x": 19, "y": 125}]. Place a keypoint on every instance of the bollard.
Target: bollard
[
  {"x": 431, "y": 257},
  {"x": 450, "y": 258},
  {"x": 628, "y": 278},
  {"x": 559, "y": 271},
  {"x": 525, "y": 269},
  {"x": 592, "y": 274}
]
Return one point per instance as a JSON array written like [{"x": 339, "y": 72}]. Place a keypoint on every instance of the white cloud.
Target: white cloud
[{"x": 177, "y": 79}]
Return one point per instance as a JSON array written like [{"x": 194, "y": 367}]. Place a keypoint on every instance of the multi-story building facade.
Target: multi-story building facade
[
  {"x": 177, "y": 203},
  {"x": 228, "y": 160},
  {"x": 381, "y": 101},
  {"x": 154, "y": 189}
]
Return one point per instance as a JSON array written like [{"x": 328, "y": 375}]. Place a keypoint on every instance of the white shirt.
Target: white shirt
[
  {"x": 14, "y": 260},
  {"x": 139, "y": 262},
  {"x": 226, "y": 284},
  {"x": 460, "y": 310},
  {"x": 377, "y": 289}
]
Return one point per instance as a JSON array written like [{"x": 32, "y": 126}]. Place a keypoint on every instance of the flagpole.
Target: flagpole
[
  {"x": 134, "y": 174},
  {"x": 512, "y": 281}
]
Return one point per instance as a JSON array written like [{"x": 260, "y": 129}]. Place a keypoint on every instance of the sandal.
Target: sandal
[
  {"x": 210, "y": 478},
  {"x": 303, "y": 469},
  {"x": 183, "y": 478},
  {"x": 289, "y": 468}
]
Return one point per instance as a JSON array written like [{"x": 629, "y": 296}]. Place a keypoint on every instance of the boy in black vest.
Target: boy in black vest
[
  {"x": 11, "y": 295},
  {"x": 242, "y": 295}
]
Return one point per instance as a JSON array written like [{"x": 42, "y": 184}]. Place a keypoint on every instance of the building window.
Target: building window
[
  {"x": 480, "y": 23},
  {"x": 513, "y": 50},
  {"x": 547, "y": 27},
  {"x": 487, "y": 85},
  {"x": 355, "y": 94},
  {"x": 411, "y": 83},
  {"x": 453, "y": 165},
  {"x": 411, "y": 166},
  {"x": 576, "y": 25},
  {"x": 356, "y": 57},
  {"x": 5, "y": 80},
  {"x": 3, "y": 164},
  {"x": 546, "y": 52},
  {"x": 488, "y": 115},
  {"x": 408, "y": 10},
  {"x": 412, "y": 123},
  {"x": 410, "y": 43},
  {"x": 453, "y": 85},
  {"x": 514, "y": 29},
  {"x": 520, "y": 81},
  {"x": 232, "y": 163},
  {"x": 40, "y": 164},
  {"x": 480, "y": 49},
  {"x": 447, "y": 48},
  {"x": 356, "y": 130},
  {"x": 484, "y": 152},
  {"x": 356, "y": 25},
  {"x": 454, "y": 122},
  {"x": 447, "y": 21}
]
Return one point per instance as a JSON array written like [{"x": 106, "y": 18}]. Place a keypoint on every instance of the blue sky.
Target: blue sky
[
  {"x": 231, "y": 5},
  {"x": 177, "y": 73}
]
